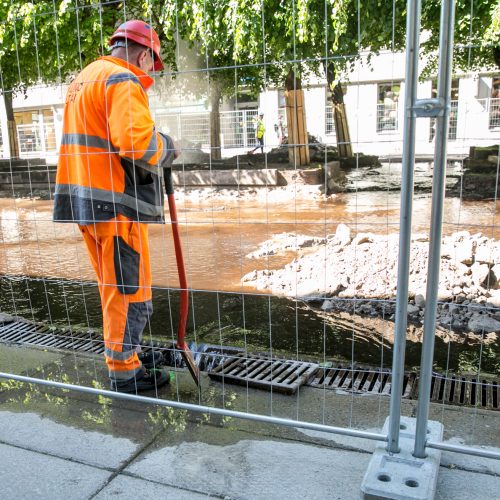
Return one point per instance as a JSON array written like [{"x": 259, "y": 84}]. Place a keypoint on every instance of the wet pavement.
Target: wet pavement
[{"x": 67, "y": 444}]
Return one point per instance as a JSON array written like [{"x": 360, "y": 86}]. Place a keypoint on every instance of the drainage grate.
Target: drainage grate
[
  {"x": 24, "y": 332},
  {"x": 360, "y": 380},
  {"x": 230, "y": 364},
  {"x": 208, "y": 356},
  {"x": 465, "y": 390},
  {"x": 279, "y": 375}
]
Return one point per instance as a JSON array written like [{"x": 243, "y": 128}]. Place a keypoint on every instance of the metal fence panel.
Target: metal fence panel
[{"x": 255, "y": 320}]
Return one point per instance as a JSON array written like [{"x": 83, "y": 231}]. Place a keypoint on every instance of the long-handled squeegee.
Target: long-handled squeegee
[{"x": 187, "y": 355}]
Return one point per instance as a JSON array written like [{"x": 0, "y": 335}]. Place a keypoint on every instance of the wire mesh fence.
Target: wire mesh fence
[
  {"x": 290, "y": 255},
  {"x": 452, "y": 132},
  {"x": 494, "y": 110},
  {"x": 36, "y": 140},
  {"x": 387, "y": 117}
]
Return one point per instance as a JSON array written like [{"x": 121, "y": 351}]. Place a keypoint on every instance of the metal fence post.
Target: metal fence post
[
  {"x": 438, "y": 189},
  {"x": 408, "y": 160}
]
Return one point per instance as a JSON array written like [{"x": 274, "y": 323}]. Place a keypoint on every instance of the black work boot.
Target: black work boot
[
  {"x": 151, "y": 359},
  {"x": 145, "y": 380}
]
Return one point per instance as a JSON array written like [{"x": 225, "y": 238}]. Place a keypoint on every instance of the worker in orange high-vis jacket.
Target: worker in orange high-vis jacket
[{"x": 109, "y": 181}]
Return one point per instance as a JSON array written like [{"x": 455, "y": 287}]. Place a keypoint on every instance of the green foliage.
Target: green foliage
[
  {"x": 218, "y": 32},
  {"x": 45, "y": 41},
  {"x": 477, "y": 33},
  {"x": 334, "y": 32},
  {"x": 168, "y": 418},
  {"x": 486, "y": 361}
]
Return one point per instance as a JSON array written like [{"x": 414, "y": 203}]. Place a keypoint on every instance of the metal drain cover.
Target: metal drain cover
[
  {"x": 27, "y": 333},
  {"x": 465, "y": 390},
  {"x": 360, "y": 380},
  {"x": 278, "y": 375}
]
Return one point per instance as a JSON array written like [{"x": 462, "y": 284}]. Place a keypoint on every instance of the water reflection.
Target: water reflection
[
  {"x": 257, "y": 323},
  {"x": 103, "y": 414}
]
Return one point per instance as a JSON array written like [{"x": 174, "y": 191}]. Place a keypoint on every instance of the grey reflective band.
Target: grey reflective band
[
  {"x": 90, "y": 141},
  {"x": 146, "y": 166},
  {"x": 123, "y": 375},
  {"x": 95, "y": 194},
  {"x": 93, "y": 141},
  {"x": 165, "y": 149},
  {"x": 118, "y": 356},
  {"x": 122, "y": 77},
  {"x": 167, "y": 156},
  {"x": 152, "y": 148}
]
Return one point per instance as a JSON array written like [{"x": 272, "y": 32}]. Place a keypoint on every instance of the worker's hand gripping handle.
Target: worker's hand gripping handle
[{"x": 169, "y": 184}]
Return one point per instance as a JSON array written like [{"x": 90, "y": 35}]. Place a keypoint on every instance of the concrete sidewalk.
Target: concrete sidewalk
[{"x": 57, "y": 444}]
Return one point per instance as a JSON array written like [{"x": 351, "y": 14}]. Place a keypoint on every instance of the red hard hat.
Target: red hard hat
[{"x": 142, "y": 33}]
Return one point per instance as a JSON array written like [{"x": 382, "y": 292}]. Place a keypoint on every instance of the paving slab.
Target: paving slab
[
  {"x": 36, "y": 433},
  {"x": 455, "y": 484},
  {"x": 253, "y": 469},
  {"x": 131, "y": 488},
  {"x": 27, "y": 475}
]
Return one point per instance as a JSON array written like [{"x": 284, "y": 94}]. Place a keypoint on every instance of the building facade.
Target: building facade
[{"x": 374, "y": 100}]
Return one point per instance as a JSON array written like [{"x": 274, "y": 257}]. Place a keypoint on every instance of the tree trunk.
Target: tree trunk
[
  {"x": 215, "y": 143},
  {"x": 11, "y": 126},
  {"x": 298, "y": 138},
  {"x": 339, "y": 115},
  {"x": 496, "y": 55}
]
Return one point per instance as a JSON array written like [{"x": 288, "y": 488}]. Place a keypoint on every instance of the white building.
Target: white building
[{"x": 374, "y": 102}]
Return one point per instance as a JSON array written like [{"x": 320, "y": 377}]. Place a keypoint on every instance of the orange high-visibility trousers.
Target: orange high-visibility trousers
[{"x": 119, "y": 253}]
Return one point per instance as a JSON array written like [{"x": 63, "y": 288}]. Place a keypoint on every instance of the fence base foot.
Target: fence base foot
[{"x": 401, "y": 475}]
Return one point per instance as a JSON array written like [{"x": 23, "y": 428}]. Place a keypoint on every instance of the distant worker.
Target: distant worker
[
  {"x": 109, "y": 181},
  {"x": 259, "y": 133}
]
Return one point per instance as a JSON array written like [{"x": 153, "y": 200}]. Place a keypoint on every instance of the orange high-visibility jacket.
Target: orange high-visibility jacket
[{"x": 111, "y": 157}]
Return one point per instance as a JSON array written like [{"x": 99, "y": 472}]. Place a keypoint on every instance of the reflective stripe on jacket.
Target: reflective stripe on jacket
[{"x": 111, "y": 158}]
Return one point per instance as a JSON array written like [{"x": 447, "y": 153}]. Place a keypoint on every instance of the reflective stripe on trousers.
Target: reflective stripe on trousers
[{"x": 119, "y": 253}]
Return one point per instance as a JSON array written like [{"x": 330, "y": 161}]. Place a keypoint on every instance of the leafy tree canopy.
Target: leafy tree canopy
[
  {"x": 476, "y": 37},
  {"x": 45, "y": 41}
]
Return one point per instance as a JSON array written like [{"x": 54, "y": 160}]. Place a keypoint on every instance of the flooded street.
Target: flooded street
[
  {"x": 47, "y": 276},
  {"x": 218, "y": 235}
]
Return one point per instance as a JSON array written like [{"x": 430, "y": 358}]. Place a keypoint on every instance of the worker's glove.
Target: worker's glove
[{"x": 172, "y": 151}]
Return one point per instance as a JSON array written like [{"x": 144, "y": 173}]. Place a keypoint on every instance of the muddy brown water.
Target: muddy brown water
[{"x": 47, "y": 276}]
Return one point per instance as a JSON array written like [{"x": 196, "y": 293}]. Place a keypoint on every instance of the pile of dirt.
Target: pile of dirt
[{"x": 344, "y": 266}]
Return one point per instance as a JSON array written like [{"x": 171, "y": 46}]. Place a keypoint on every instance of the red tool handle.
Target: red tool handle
[{"x": 184, "y": 307}]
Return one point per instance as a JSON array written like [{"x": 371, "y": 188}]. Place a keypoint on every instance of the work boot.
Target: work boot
[
  {"x": 151, "y": 359},
  {"x": 145, "y": 380}
]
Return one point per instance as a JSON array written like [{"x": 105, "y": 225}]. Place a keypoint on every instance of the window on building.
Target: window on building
[
  {"x": 452, "y": 130},
  {"x": 495, "y": 103},
  {"x": 246, "y": 99},
  {"x": 329, "y": 114},
  {"x": 281, "y": 99},
  {"x": 35, "y": 131},
  {"x": 387, "y": 107}
]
